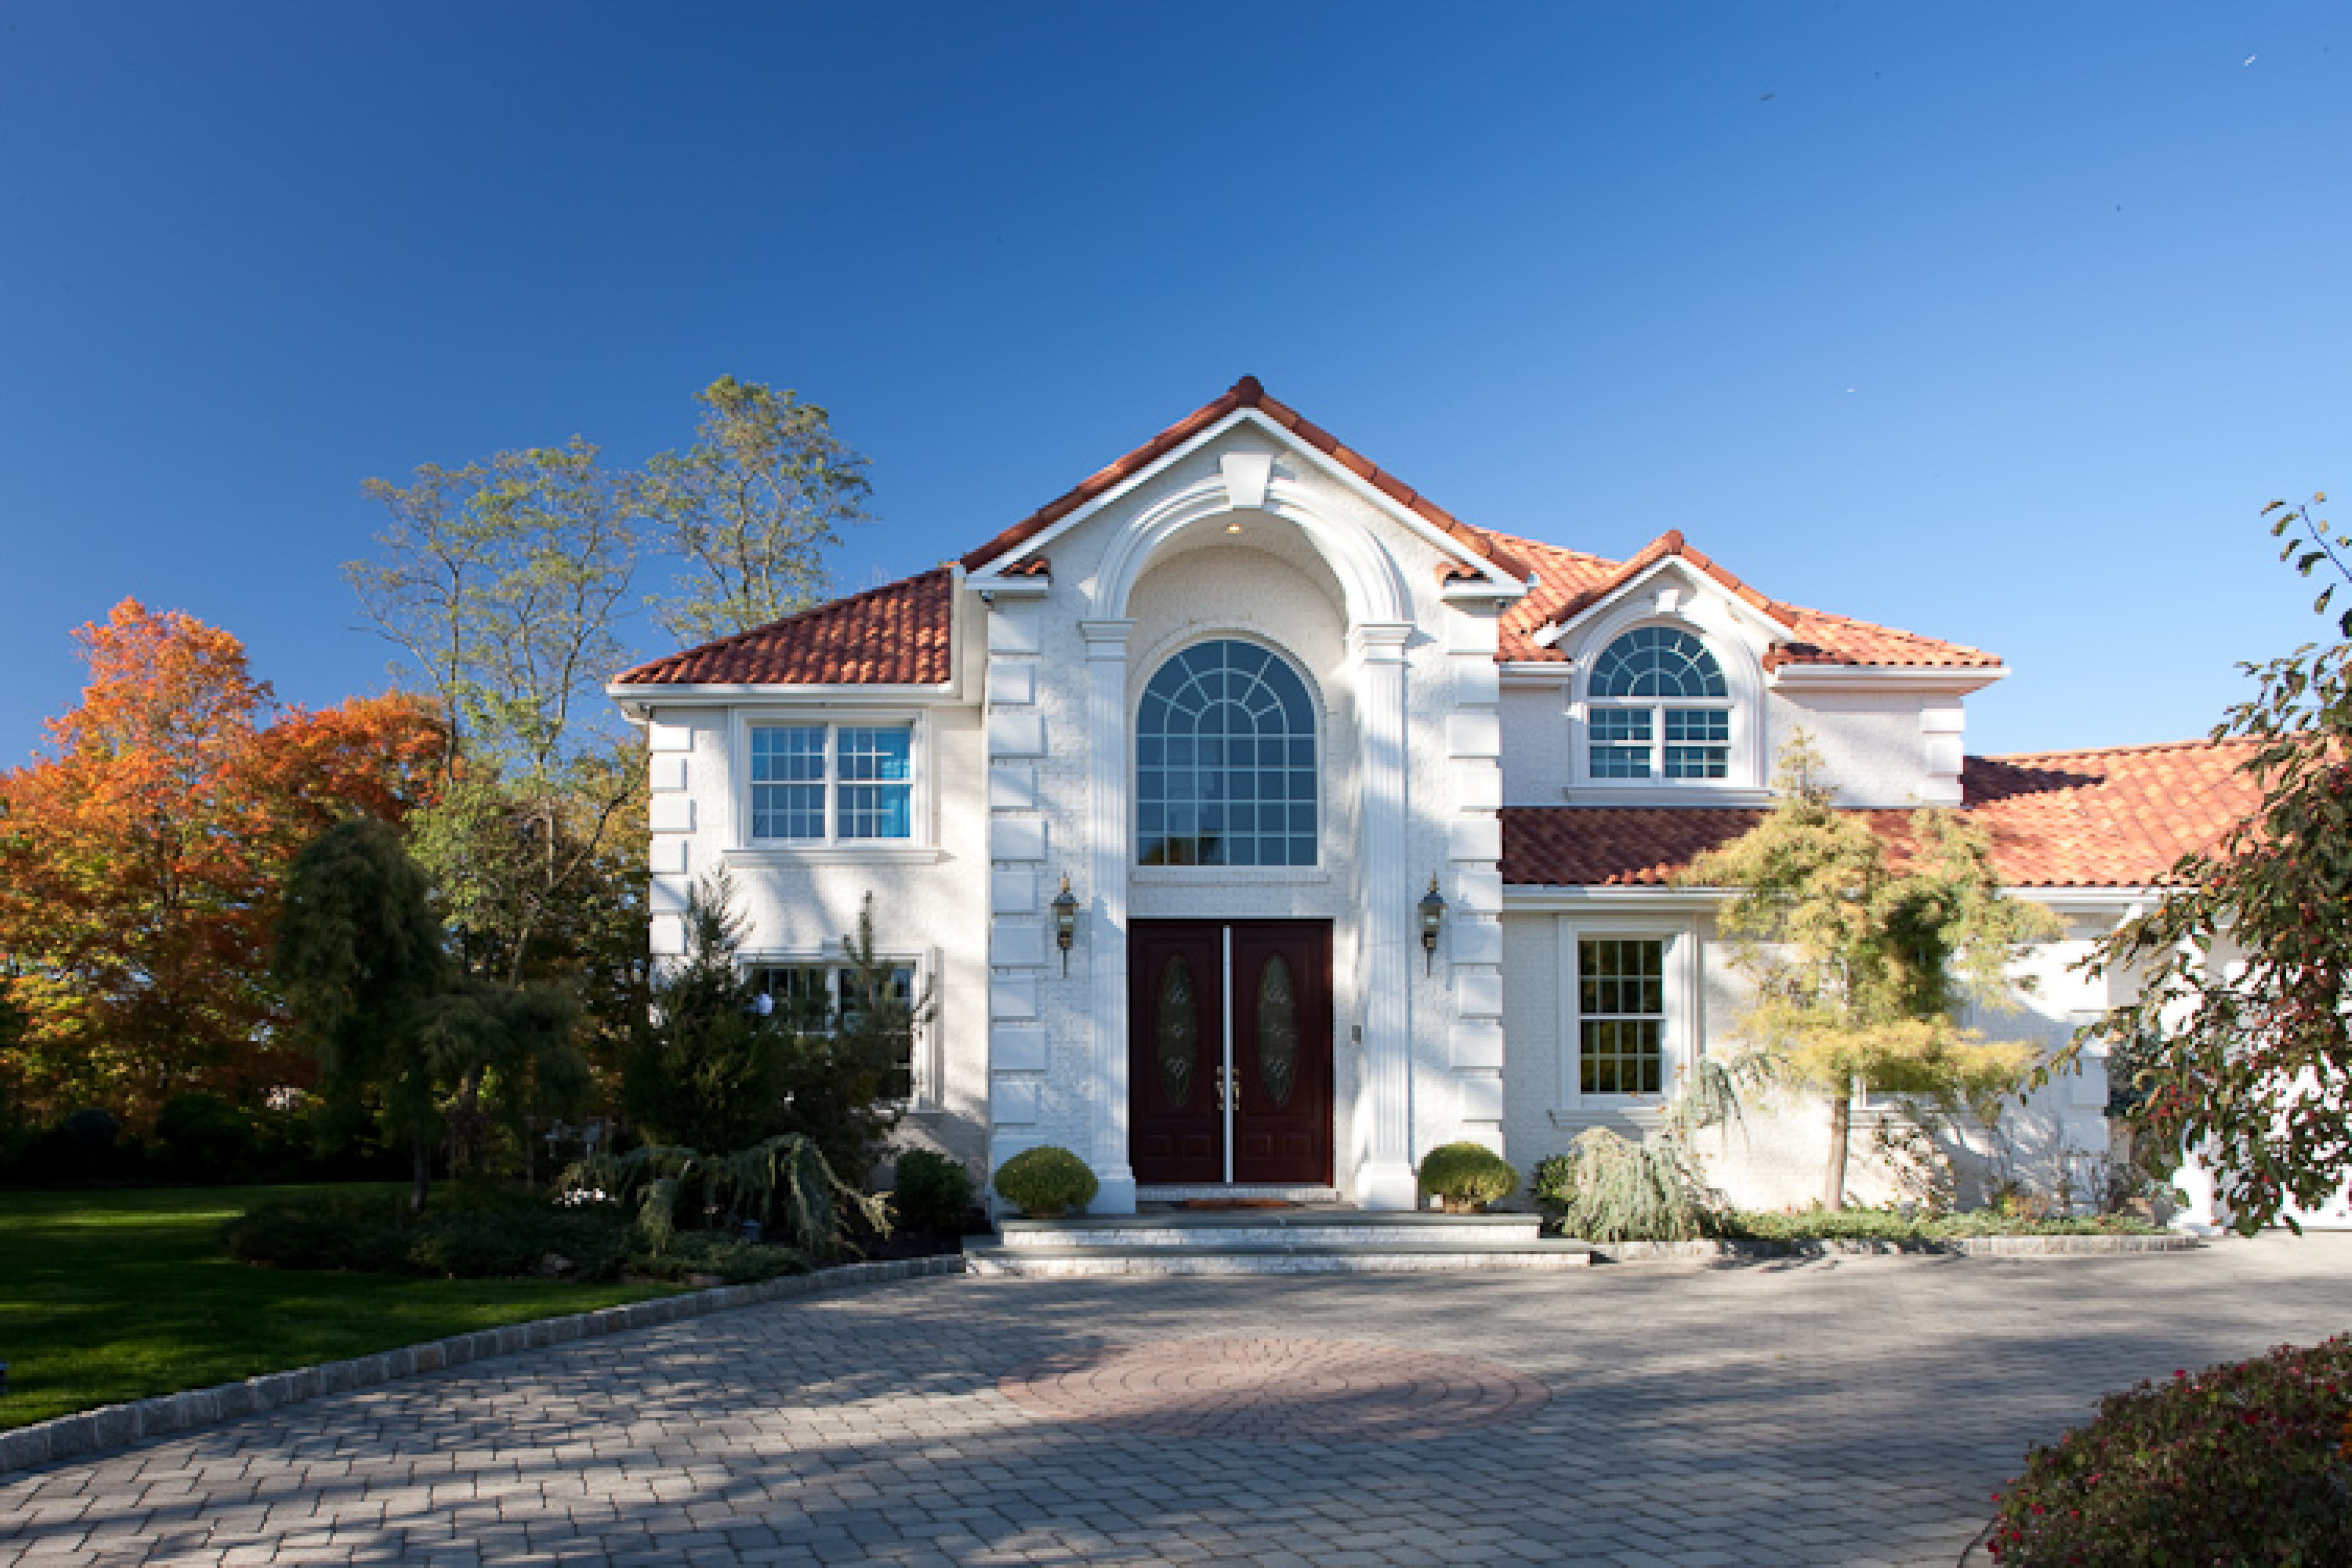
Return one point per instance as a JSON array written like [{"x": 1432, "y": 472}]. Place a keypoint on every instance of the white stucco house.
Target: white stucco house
[{"x": 1266, "y": 709}]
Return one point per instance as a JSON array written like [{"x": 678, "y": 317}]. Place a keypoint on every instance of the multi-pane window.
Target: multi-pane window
[
  {"x": 1621, "y": 1022},
  {"x": 1225, "y": 761},
  {"x": 1658, "y": 707},
  {"x": 826, "y": 997},
  {"x": 820, "y": 782}
]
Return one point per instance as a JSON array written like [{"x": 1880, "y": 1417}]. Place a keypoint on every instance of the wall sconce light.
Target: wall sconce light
[
  {"x": 1065, "y": 922},
  {"x": 1433, "y": 920}
]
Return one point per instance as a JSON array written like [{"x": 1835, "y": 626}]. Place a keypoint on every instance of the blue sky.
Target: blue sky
[{"x": 1994, "y": 322}]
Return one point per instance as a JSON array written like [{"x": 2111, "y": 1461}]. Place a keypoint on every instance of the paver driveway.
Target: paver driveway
[{"x": 1838, "y": 1411}]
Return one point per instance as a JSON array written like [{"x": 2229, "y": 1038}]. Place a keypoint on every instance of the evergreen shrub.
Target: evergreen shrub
[
  {"x": 933, "y": 1193},
  {"x": 469, "y": 1235},
  {"x": 735, "y": 1262},
  {"x": 1613, "y": 1189},
  {"x": 1046, "y": 1181},
  {"x": 1467, "y": 1175},
  {"x": 2248, "y": 1462}
]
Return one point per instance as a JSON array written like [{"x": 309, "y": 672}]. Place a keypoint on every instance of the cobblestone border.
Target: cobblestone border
[
  {"x": 1957, "y": 1246},
  {"x": 118, "y": 1426}
]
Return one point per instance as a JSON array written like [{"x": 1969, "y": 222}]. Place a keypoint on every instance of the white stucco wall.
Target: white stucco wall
[
  {"x": 1871, "y": 744},
  {"x": 1297, "y": 583},
  {"x": 799, "y": 905},
  {"x": 1775, "y": 1155}
]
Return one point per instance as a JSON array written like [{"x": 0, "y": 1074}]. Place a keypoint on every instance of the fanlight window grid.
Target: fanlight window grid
[
  {"x": 1224, "y": 755},
  {"x": 1620, "y": 1004},
  {"x": 1633, "y": 732}
]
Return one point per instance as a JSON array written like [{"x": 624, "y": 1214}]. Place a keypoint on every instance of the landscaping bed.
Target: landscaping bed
[{"x": 1819, "y": 1233}]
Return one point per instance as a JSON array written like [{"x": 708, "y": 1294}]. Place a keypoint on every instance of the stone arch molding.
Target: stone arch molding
[{"x": 1370, "y": 578}]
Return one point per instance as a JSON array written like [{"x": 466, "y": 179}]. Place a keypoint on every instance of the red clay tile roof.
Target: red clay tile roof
[
  {"x": 893, "y": 636},
  {"x": 2117, "y": 818},
  {"x": 1570, "y": 582},
  {"x": 1246, "y": 393},
  {"x": 899, "y": 635}
]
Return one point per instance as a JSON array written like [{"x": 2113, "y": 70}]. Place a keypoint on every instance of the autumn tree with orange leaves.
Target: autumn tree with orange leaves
[{"x": 140, "y": 858}]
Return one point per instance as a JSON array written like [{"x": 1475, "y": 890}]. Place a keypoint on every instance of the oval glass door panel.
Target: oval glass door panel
[
  {"x": 1179, "y": 1032},
  {"x": 1277, "y": 1031}
]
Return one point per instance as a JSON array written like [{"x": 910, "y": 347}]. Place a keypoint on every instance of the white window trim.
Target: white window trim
[
  {"x": 1744, "y": 781},
  {"x": 920, "y": 845},
  {"x": 1678, "y": 1040},
  {"x": 926, "y": 1055}
]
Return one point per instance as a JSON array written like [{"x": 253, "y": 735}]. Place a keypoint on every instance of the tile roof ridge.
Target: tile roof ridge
[
  {"x": 1522, "y": 541},
  {"x": 1246, "y": 392},
  {"x": 1673, "y": 543},
  {"x": 767, "y": 628},
  {"x": 2129, "y": 748}
]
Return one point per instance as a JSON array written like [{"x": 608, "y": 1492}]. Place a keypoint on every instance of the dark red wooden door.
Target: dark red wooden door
[
  {"x": 1175, "y": 1035},
  {"x": 1275, "y": 1105},
  {"x": 1282, "y": 1053}
]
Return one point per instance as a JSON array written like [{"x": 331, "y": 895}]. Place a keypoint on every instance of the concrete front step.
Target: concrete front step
[
  {"x": 1326, "y": 1241},
  {"x": 1388, "y": 1257},
  {"x": 1280, "y": 1227}
]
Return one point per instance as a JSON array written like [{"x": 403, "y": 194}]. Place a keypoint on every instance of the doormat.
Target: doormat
[{"x": 1239, "y": 1203}]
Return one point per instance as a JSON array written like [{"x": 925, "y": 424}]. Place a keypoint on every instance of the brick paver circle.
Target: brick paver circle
[{"x": 1275, "y": 1390}]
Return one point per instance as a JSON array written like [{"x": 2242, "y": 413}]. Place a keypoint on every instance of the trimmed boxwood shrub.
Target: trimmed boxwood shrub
[
  {"x": 931, "y": 1191},
  {"x": 2248, "y": 1462},
  {"x": 1046, "y": 1181},
  {"x": 1467, "y": 1175}
]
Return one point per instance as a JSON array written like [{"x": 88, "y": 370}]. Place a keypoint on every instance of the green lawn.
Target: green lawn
[{"x": 108, "y": 1296}]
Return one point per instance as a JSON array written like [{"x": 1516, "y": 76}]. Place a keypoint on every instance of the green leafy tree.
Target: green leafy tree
[
  {"x": 2241, "y": 1031},
  {"x": 505, "y": 582},
  {"x": 751, "y": 508},
  {"x": 373, "y": 990},
  {"x": 1859, "y": 965}
]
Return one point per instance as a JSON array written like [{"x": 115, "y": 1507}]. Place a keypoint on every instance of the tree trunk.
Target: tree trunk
[
  {"x": 1841, "y": 1132},
  {"x": 420, "y": 1167}
]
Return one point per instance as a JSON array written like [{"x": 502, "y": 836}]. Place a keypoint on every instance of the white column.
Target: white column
[
  {"x": 1105, "y": 900},
  {"x": 1388, "y": 916}
]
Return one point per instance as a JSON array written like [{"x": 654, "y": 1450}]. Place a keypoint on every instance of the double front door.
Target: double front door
[{"x": 1229, "y": 1035}]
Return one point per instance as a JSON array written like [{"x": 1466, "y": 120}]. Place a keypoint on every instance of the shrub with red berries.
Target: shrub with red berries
[{"x": 2244, "y": 1463}]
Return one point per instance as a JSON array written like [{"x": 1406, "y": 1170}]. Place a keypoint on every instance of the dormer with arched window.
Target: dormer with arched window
[
  {"x": 1665, "y": 702},
  {"x": 1657, "y": 707}
]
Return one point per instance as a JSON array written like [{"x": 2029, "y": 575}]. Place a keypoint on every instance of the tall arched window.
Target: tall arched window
[
  {"x": 1658, "y": 707},
  {"x": 1225, "y": 761}
]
